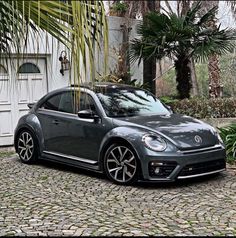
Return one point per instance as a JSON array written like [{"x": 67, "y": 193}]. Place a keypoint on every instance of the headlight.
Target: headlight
[{"x": 154, "y": 142}]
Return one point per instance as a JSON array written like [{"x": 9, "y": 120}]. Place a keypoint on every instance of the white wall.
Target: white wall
[{"x": 116, "y": 39}]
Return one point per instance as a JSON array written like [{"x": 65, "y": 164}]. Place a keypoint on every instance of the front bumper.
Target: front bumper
[{"x": 169, "y": 167}]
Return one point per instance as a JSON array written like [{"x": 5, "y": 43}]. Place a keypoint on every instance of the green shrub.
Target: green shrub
[
  {"x": 228, "y": 135},
  {"x": 205, "y": 108},
  {"x": 120, "y": 6},
  {"x": 168, "y": 100}
]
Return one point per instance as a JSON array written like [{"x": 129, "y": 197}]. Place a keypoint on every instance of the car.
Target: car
[{"x": 120, "y": 130}]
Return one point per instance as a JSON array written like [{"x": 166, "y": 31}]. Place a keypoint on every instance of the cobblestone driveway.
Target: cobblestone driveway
[{"x": 47, "y": 199}]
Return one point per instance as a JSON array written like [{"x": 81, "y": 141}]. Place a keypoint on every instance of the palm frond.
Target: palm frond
[{"x": 171, "y": 35}]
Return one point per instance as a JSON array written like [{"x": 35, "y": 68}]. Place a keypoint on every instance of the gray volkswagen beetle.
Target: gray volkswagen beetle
[{"x": 121, "y": 130}]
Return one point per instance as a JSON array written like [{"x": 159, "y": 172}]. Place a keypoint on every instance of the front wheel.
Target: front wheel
[
  {"x": 27, "y": 147},
  {"x": 121, "y": 164}
]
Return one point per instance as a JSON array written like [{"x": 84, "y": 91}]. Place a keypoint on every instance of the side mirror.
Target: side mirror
[
  {"x": 88, "y": 114},
  {"x": 30, "y": 105}
]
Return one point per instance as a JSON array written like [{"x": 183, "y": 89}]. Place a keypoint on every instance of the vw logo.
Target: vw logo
[{"x": 198, "y": 139}]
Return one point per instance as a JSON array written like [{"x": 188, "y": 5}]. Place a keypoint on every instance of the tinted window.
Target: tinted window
[
  {"x": 86, "y": 102},
  {"x": 62, "y": 102},
  {"x": 52, "y": 103},
  {"x": 119, "y": 102},
  {"x": 67, "y": 102}
]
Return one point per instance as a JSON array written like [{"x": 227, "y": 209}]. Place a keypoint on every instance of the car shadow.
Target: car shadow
[{"x": 70, "y": 168}]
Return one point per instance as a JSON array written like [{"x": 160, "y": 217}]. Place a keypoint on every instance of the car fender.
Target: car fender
[
  {"x": 130, "y": 134},
  {"x": 32, "y": 123}
]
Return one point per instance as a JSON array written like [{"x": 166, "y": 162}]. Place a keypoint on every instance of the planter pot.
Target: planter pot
[{"x": 116, "y": 13}]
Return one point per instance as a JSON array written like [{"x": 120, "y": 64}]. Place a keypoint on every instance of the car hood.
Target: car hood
[{"x": 181, "y": 130}]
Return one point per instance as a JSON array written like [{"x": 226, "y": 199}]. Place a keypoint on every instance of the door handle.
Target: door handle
[{"x": 56, "y": 122}]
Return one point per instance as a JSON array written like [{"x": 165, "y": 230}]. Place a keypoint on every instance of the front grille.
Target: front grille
[
  {"x": 200, "y": 168},
  {"x": 206, "y": 149},
  {"x": 165, "y": 169}
]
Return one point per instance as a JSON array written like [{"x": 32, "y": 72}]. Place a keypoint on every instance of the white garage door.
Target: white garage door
[{"x": 25, "y": 82}]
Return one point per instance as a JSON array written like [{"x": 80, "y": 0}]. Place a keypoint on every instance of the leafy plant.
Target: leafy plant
[
  {"x": 114, "y": 79},
  {"x": 79, "y": 25},
  {"x": 180, "y": 38},
  {"x": 168, "y": 100},
  {"x": 205, "y": 108},
  {"x": 119, "y": 7},
  {"x": 228, "y": 135}
]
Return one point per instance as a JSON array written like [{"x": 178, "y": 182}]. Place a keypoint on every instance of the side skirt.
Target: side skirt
[{"x": 71, "y": 161}]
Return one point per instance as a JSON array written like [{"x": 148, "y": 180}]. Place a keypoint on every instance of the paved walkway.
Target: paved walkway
[{"x": 47, "y": 199}]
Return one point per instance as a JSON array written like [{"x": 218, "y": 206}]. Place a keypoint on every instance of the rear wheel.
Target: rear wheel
[
  {"x": 121, "y": 164},
  {"x": 27, "y": 147}
]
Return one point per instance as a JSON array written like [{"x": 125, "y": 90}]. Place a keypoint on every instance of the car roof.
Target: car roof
[
  {"x": 90, "y": 86},
  {"x": 106, "y": 85}
]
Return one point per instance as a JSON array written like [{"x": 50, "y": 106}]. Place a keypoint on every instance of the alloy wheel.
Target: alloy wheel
[
  {"x": 25, "y": 146},
  {"x": 121, "y": 164}
]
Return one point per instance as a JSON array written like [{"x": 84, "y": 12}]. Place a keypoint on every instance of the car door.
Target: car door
[
  {"x": 86, "y": 134},
  {"x": 55, "y": 116}
]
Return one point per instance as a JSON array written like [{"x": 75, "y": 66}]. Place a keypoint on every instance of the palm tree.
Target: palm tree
[
  {"x": 79, "y": 25},
  {"x": 215, "y": 86},
  {"x": 180, "y": 38}
]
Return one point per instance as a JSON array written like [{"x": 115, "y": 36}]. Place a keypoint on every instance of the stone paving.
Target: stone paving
[{"x": 55, "y": 200}]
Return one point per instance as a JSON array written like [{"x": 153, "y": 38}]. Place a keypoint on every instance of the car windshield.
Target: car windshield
[{"x": 119, "y": 102}]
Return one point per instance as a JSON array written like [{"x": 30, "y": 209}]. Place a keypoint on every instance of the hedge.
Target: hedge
[{"x": 204, "y": 108}]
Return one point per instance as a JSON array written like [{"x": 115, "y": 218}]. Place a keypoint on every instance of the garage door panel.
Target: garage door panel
[
  {"x": 4, "y": 90},
  {"x": 38, "y": 88},
  {"x": 23, "y": 90},
  {"x": 6, "y": 122},
  {"x": 23, "y": 111},
  {"x": 24, "y": 83}
]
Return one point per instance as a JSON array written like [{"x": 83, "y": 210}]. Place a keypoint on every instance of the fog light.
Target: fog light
[
  {"x": 157, "y": 170},
  {"x": 156, "y": 164}
]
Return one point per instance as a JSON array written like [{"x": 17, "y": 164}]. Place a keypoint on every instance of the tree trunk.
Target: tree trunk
[
  {"x": 149, "y": 74},
  {"x": 149, "y": 66},
  {"x": 185, "y": 7},
  {"x": 215, "y": 88},
  {"x": 195, "y": 88},
  {"x": 183, "y": 76},
  {"x": 124, "y": 65}
]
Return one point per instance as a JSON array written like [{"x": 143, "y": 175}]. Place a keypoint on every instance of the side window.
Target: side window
[
  {"x": 67, "y": 103},
  {"x": 52, "y": 103},
  {"x": 62, "y": 102},
  {"x": 86, "y": 102}
]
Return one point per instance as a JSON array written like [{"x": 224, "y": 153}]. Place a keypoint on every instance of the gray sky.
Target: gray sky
[{"x": 225, "y": 15}]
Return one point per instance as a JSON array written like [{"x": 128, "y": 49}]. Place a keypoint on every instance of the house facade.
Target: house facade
[{"x": 26, "y": 79}]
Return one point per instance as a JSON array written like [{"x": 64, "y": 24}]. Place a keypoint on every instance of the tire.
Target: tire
[
  {"x": 121, "y": 164},
  {"x": 27, "y": 147}
]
